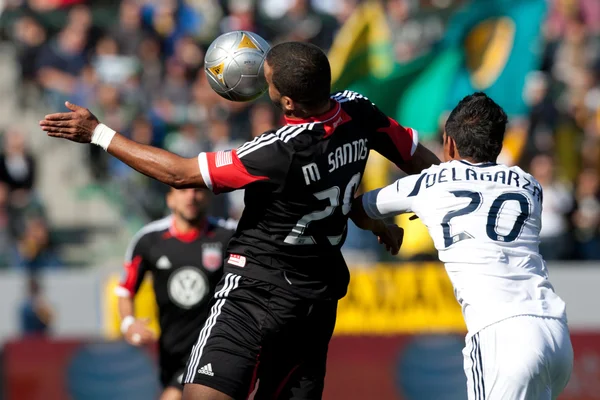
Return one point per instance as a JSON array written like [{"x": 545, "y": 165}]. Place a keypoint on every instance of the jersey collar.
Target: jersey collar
[
  {"x": 482, "y": 165},
  {"x": 319, "y": 119},
  {"x": 189, "y": 236}
]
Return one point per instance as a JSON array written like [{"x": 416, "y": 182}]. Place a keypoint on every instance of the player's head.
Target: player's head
[
  {"x": 299, "y": 77},
  {"x": 475, "y": 130},
  {"x": 189, "y": 204}
]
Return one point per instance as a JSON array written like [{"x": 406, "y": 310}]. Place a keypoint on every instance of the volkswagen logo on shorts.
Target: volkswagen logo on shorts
[{"x": 187, "y": 287}]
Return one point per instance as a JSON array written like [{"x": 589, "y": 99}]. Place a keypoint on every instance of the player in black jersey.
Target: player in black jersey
[
  {"x": 274, "y": 311},
  {"x": 184, "y": 252}
]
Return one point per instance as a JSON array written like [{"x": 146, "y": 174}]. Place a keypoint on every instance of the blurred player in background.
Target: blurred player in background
[
  {"x": 485, "y": 220},
  {"x": 36, "y": 313},
  {"x": 184, "y": 252},
  {"x": 275, "y": 310}
]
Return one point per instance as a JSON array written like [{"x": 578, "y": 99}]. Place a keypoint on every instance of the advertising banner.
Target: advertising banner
[
  {"x": 383, "y": 299},
  {"x": 398, "y": 367}
]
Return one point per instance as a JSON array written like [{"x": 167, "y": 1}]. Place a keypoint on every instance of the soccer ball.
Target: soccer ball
[{"x": 234, "y": 65}]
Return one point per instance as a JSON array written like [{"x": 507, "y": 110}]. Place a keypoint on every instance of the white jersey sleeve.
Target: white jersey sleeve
[{"x": 391, "y": 200}]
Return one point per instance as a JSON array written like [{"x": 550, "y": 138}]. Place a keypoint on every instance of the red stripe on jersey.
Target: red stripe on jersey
[
  {"x": 232, "y": 176},
  {"x": 341, "y": 118},
  {"x": 401, "y": 137},
  {"x": 132, "y": 271},
  {"x": 189, "y": 236},
  {"x": 255, "y": 373},
  {"x": 284, "y": 382}
]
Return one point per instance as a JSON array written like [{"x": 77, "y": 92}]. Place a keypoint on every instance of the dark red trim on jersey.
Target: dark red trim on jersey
[
  {"x": 284, "y": 382},
  {"x": 255, "y": 374},
  {"x": 329, "y": 115},
  {"x": 189, "y": 236},
  {"x": 341, "y": 118},
  {"x": 401, "y": 137},
  {"x": 132, "y": 271},
  {"x": 231, "y": 176}
]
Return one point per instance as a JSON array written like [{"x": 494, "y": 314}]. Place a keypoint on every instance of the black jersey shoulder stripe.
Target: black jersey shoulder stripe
[
  {"x": 262, "y": 138},
  {"x": 154, "y": 226},
  {"x": 347, "y": 95},
  {"x": 283, "y": 134}
]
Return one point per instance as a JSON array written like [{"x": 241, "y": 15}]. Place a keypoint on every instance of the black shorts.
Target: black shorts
[
  {"x": 172, "y": 370},
  {"x": 259, "y": 332}
]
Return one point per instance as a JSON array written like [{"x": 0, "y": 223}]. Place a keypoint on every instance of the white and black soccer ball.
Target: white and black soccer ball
[{"x": 234, "y": 65}]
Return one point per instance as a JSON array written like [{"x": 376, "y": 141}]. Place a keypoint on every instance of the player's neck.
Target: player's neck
[
  {"x": 472, "y": 161},
  {"x": 182, "y": 226},
  {"x": 306, "y": 114}
]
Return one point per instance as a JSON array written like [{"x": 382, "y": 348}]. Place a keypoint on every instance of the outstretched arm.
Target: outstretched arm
[
  {"x": 390, "y": 235},
  {"x": 81, "y": 126},
  {"x": 422, "y": 158}
]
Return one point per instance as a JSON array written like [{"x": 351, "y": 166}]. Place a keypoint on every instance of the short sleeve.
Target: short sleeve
[
  {"x": 135, "y": 268},
  {"x": 388, "y": 138},
  {"x": 397, "y": 198},
  {"x": 265, "y": 160}
]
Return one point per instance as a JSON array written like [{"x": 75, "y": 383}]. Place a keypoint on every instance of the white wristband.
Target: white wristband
[
  {"x": 126, "y": 323},
  {"x": 102, "y": 136}
]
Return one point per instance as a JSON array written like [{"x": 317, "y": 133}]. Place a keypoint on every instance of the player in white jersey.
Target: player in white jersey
[{"x": 485, "y": 220}]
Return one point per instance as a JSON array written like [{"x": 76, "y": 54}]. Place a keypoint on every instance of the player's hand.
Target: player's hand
[
  {"x": 77, "y": 125},
  {"x": 139, "y": 334},
  {"x": 391, "y": 236}
]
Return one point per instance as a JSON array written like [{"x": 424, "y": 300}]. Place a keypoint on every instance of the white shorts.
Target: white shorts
[{"x": 520, "y": 358}]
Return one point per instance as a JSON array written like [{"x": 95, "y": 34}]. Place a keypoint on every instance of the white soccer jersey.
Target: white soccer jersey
[{"x": 485, "y": 221}]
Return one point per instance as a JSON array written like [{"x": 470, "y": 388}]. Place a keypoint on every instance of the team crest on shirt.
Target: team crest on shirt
[
  {"x": 212, "y": 256},
  {"x": 187, "y": 287}
]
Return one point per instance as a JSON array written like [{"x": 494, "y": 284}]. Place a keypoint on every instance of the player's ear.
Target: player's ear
[
  {"x": 287, "y": 104},
  {"x": 450, "y": 146},
  {"x": 169, "y": 199}
]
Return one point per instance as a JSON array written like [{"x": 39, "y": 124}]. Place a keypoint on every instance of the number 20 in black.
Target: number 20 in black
[{"x": 492, "y": 219}]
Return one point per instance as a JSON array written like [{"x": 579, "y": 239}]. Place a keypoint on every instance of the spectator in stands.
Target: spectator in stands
[
  {"x": 557, "y": 204},
  {"x": 129, "y": 33},
  {"x": 34, "y": 250},
  {"x": 303, "y": 23},
  {"x": 29, "y": 37},
  {"x": 151, "y": 66},
  {"x": 86, "y": 87},
  {"x": 6, "y": 237},
  {"x": 241, "y": 17},
  {"x": 112, "y": 67},
  {"x": 186, "y": 141},
  {"x": 36, "y": 314},
  {"x": 59, "y": 64},
  {"x": 586, "y": 218},
  {"x": 543, "y": 115},
  {"x": 17, "y": 165},
  {"x": 189, "y": 54},
  {"x": 81, "y": 16}
]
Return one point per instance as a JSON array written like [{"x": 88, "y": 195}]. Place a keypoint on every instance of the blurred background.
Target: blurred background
[{"x": 67, "y": 212}]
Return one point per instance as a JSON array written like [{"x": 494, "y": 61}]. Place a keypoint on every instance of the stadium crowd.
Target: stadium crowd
[{"x": 138, "y": 67}]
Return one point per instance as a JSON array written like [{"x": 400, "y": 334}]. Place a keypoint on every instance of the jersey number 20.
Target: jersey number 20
[
  {"x": 332, "y": 194},
  {"x": 492, "y": 220}
]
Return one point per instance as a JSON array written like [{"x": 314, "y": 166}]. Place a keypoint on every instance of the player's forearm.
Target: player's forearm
[
  {"x": 125, "y": 307},
  {"x": 423, "y": 158},
  {"x": 360, "y": 218},
  {"x": 166, "y": 167}
]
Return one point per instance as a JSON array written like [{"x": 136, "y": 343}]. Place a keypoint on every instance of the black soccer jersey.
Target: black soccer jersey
[
  {"x": 299, "y": 183},
  {"x": 185, "y": 268}
]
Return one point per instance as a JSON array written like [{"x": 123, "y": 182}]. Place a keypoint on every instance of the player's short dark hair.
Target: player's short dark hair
[
  {"x": 477, "y": 125},
  {"x": 301, "y": 71}
]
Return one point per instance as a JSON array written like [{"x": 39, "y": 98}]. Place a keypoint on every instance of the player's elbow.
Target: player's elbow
[
  {"x": 178, "y": 182},
  {"x": 182, "y": 182},
  {"x": 186, "y": 175}
]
